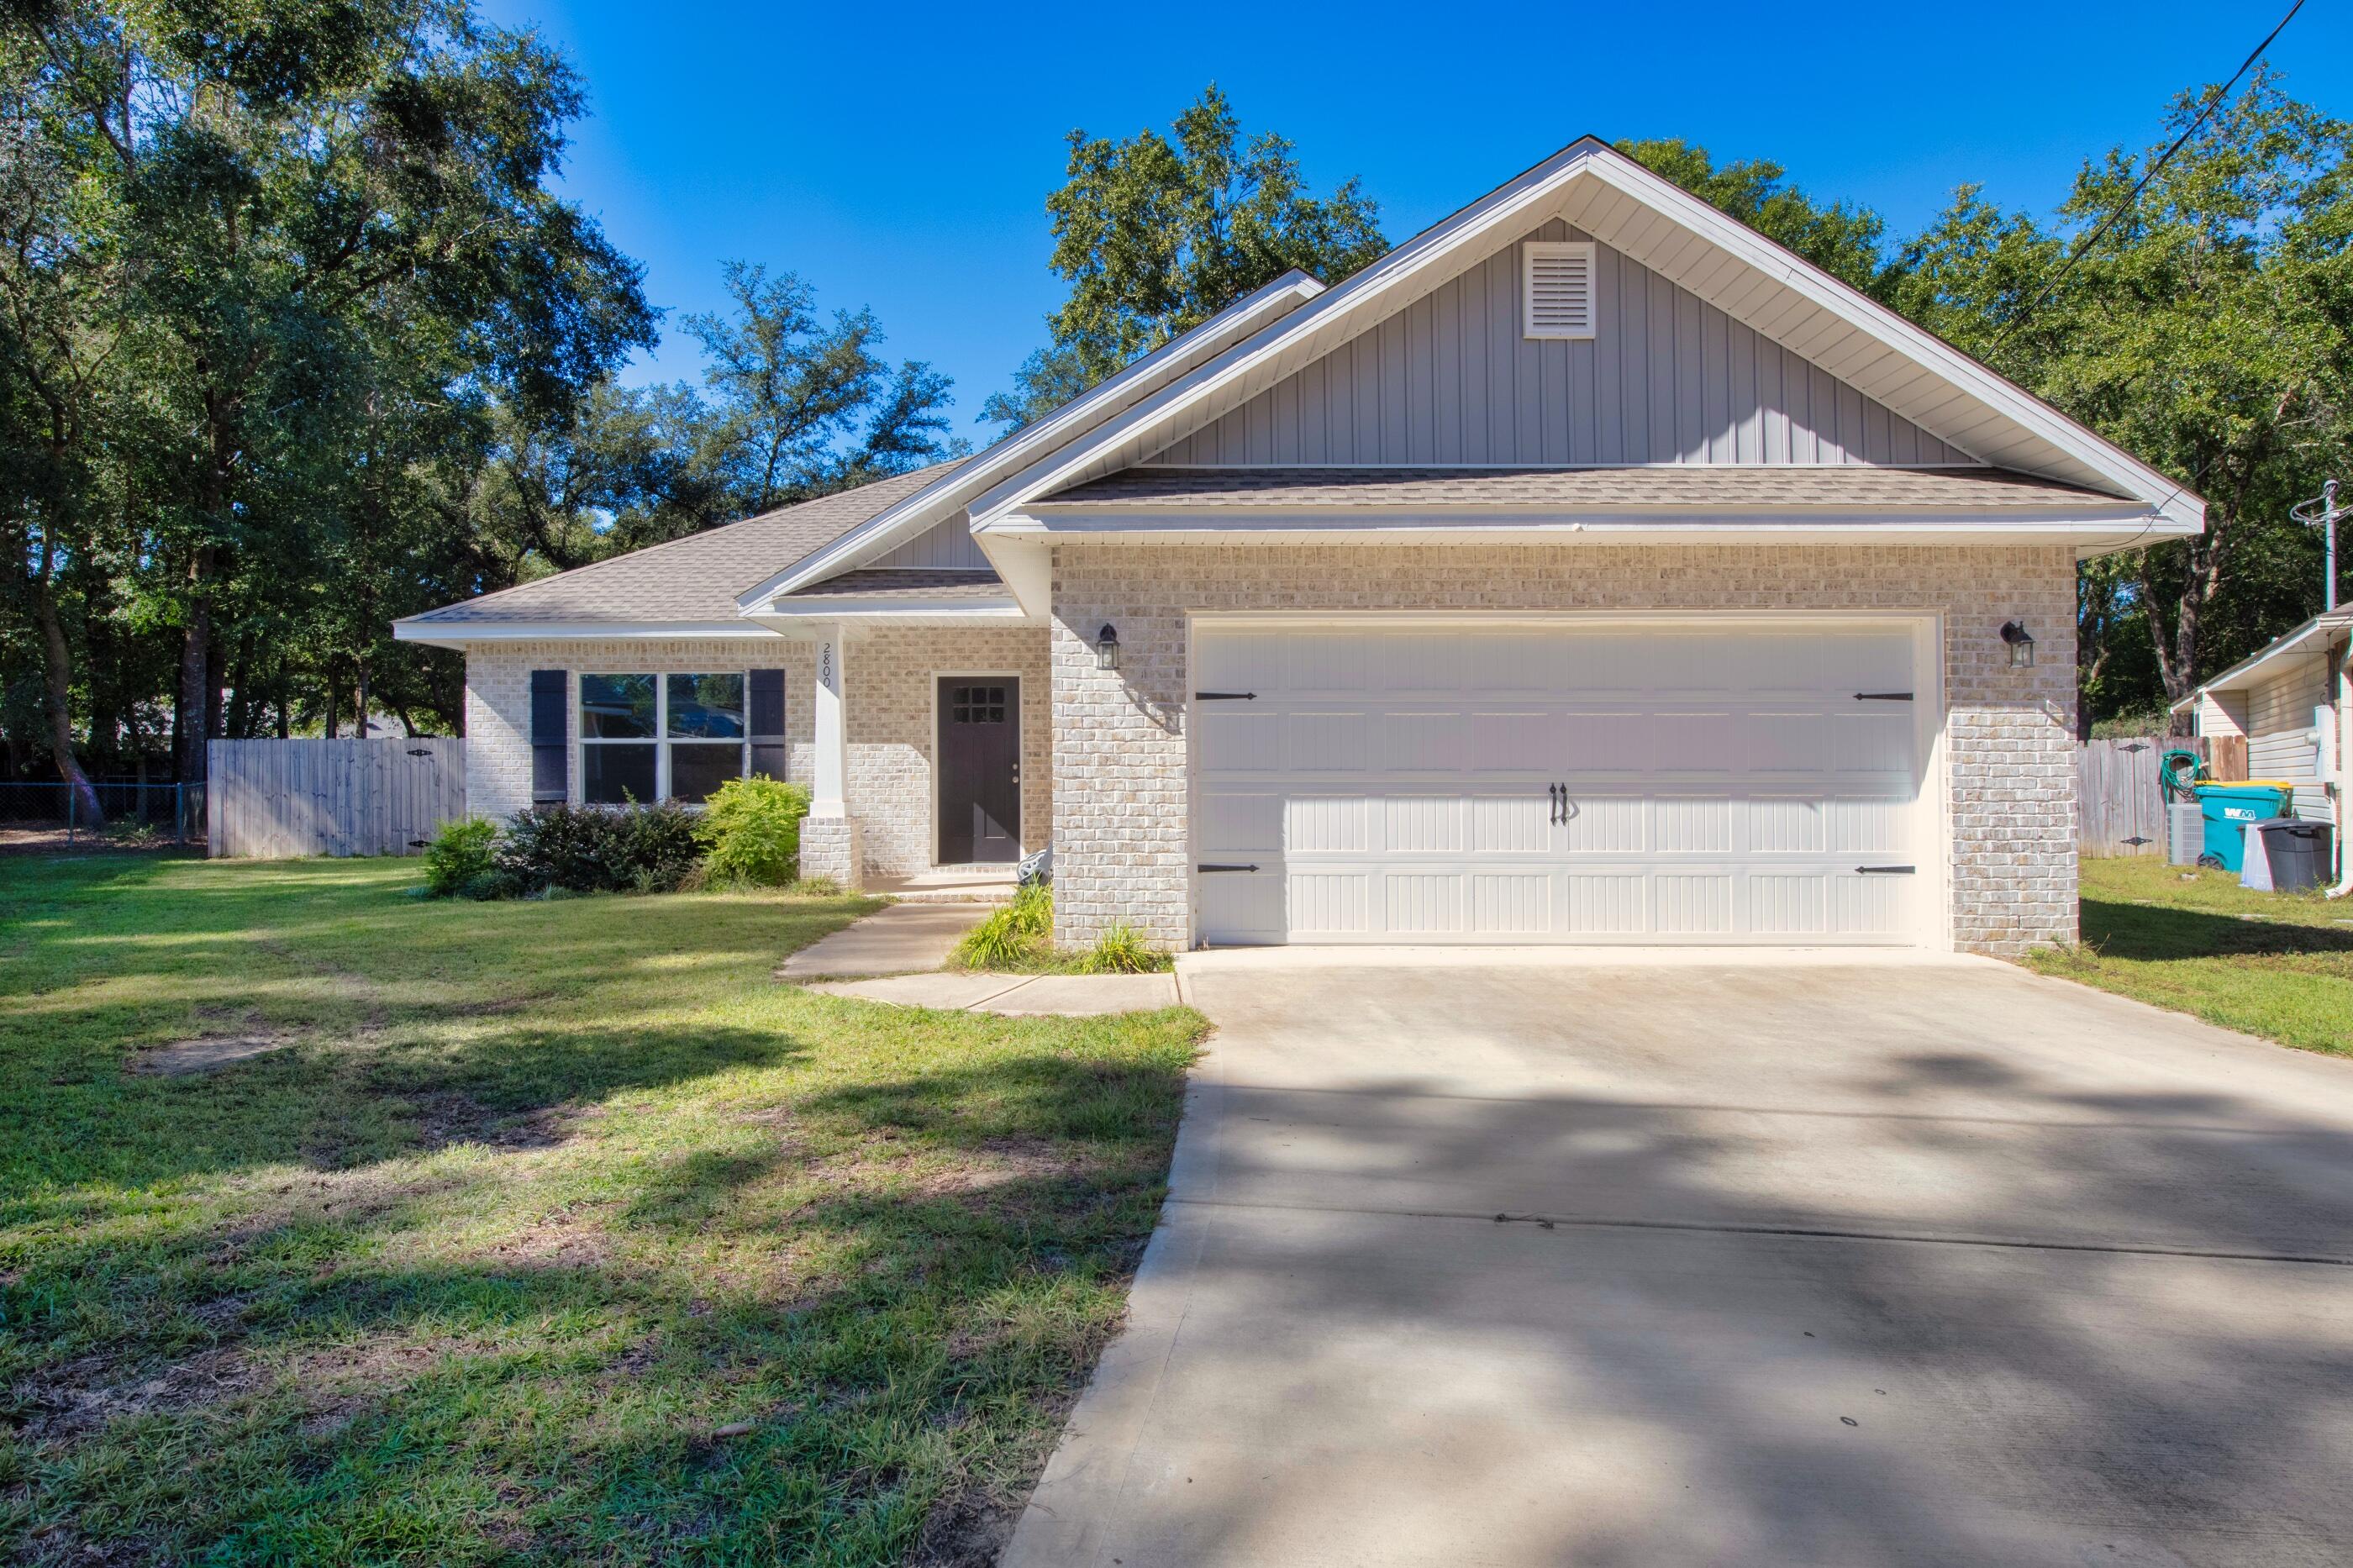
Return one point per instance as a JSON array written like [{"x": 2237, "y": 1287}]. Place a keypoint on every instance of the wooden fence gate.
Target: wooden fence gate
[
  {"x": 270, "y": 799},
  {"x": 2119, "y": 808}
]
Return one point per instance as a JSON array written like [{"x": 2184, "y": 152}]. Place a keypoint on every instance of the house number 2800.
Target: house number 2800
[{"x": 825, "y": 666}]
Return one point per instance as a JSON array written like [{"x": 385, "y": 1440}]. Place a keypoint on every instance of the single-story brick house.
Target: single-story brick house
[{"x": 1589, "y": 569}]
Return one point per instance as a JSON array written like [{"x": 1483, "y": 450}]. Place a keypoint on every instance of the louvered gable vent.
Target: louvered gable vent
[{"x": 1558, "y": 284}]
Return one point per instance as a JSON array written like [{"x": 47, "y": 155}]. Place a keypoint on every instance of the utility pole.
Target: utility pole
[{"x": 2323, "y": 513}]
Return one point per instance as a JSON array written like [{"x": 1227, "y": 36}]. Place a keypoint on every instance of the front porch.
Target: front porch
[{"x": 929, "y": 756}]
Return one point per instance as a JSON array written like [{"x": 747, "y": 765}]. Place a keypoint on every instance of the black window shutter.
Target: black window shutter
[
  {"x": 765, "y": 691},
  {"x": 551, "y": 751}
]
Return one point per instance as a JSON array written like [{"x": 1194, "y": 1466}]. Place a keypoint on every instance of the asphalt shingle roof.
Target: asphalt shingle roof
[
  {"x": 1694, "y": 487},
  {"x": 697, "y": 578}
]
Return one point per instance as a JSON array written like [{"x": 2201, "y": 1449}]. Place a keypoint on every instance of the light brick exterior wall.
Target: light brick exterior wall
[
  {"x": 889, "y": 697},
  {"x": 1120, "y": 808},
  {"x": 893, "y": 678}
]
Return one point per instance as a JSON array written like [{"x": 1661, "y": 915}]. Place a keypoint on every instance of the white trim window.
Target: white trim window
[{"x": 676, "y": 736}]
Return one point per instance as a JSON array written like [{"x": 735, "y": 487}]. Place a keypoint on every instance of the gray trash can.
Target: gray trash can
[{"x": 2298, "y": 853}]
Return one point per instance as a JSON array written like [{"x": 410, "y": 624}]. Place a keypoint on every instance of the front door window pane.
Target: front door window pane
[
  {"x": 697, "y": 770},
  {"x": 617, "y": 708},
  {"x": 706, "y": 706},
  {"x": 613, "y": 775}
]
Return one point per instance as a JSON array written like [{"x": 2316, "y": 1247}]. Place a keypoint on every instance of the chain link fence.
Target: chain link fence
[{"x": 134, "y": 815}]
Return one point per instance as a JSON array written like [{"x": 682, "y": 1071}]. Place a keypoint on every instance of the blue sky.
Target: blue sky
[{"x": 899, "y": 156}]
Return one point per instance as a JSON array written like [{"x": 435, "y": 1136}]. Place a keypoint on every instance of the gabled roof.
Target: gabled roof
[
  {"x": 1682, "y": 238},
  {"x": 949, "y": 494},
  {"x": 2311, "y": 639},
  {"x": 686, "y": 587}
]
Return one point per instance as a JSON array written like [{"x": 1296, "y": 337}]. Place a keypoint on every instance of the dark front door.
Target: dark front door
[{"x": 980, "y": 769}]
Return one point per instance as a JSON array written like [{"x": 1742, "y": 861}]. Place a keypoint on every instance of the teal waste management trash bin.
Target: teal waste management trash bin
[{"x": 2228, "y": 809}]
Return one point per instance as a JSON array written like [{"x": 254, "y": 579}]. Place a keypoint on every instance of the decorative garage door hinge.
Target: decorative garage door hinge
[
  {"x": 1225, "y": 697},
  {"x": 1885, "y": 871},
  {"x": 1883, "y": 697},
  {"x": 1207, "y": 869}
]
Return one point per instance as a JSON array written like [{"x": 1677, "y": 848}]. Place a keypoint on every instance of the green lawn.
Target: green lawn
[
  {"x": 543, "y": 1232},
  {"x": 2274, "y": 964}
]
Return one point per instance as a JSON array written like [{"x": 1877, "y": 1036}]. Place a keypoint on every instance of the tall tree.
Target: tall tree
[
  {"x": 802, "y": 406},
  {"x": 1157, "y": 235},
  {"x": 272, "y": 175},
  {"x": 2207, "y": 331}
]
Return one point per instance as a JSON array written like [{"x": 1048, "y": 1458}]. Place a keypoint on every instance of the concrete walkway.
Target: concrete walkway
[
  {"x": 899, "y": 939},
  {"x": 1752, "y": 1264},
  {"x": 1018, "y": 995}
]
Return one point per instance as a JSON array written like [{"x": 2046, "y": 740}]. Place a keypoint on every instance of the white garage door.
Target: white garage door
[{"x": 1686, "y": 783}]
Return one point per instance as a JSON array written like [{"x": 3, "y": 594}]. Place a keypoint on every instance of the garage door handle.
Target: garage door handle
[
  {"x": 1211, "y": 869},
  {"x": 1225, "y": 697},
  {"x": 1559, "y": 793},
  {"x": 1885, "y": 871}
]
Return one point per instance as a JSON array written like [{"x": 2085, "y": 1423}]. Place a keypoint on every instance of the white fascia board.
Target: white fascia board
[
  {"x": 2057, "y": 522},
  {"x": 1237, "y": 372},
  {"x": 462, "y": 634},
  {"x": 2239, "y": 676},
  {"x": 940, "y": 499},
  {"x": 1923, "y": 347},
  {"x": 2087, "y": 536}
]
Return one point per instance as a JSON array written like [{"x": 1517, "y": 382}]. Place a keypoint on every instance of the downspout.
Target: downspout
[{"x": 2344, "y": 762}]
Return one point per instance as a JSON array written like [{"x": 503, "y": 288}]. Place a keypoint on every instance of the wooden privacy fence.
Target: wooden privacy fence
[
  {"x": 2120, "y": 809},
  {"x": 270, "y": 799}
]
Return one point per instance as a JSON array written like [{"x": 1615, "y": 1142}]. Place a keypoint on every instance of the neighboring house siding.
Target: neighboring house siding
[
  {"x": 946, "y": 544},
  {"x": 2222, "y": 714},
  {"x": 1121, "y": 811},
  {"x": 1666, "y": 379},
  {"x": 2280, "y": 740},
  {"x": 891, "y": 737}
]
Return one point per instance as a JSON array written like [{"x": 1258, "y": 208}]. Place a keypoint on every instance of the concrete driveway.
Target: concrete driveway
[{"x": 1925, "y": 1262}]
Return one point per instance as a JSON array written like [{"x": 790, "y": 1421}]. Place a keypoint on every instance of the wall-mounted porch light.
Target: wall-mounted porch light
[
  {"x": 2021, "y": 645},
  {"x": 1107, "y": 648}
]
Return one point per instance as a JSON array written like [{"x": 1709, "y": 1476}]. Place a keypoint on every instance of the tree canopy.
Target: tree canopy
[
  {"x": 295, "y": 339},
  {"x": 1156, "y": 234}
]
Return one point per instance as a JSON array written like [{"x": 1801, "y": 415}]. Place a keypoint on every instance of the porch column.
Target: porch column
[{"x": 829, "y": 837}]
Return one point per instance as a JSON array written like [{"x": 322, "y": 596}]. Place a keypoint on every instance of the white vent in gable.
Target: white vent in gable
[{"x": 1556, "y": 286}]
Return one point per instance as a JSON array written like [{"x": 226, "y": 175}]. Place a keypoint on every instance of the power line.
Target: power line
[{"x": 2133, "y": 196}]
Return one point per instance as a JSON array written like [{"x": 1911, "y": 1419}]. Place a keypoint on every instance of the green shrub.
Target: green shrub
[
  {"x": 1122, "y": 950},
  {"x": 600, "y": 849},
  {"x": 462, "y": 850},
  {"x": 753, "y": 829},
  {"x": 489, "y": 885},
  {"x": 1012, "y": 935}
]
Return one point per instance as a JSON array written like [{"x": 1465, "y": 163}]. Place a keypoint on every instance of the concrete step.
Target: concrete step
[{"x": 989, "y": 894}]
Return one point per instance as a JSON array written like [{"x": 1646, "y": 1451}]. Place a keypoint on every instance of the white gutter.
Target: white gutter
[
  {"x": 458, "y": 633},
  {"x": 2235, "y": 679},
  {"x": 2344, "y": 757}
]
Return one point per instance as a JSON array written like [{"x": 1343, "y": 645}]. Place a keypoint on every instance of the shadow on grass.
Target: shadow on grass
[
  {"x": 2129, "y": 930},
  {"x": 849, "y": 1334}
]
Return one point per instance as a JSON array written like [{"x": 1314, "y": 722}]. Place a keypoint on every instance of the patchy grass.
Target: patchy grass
[
  {"x": 2274, "y": 964},
  {"x": 337, "y": 1227}
]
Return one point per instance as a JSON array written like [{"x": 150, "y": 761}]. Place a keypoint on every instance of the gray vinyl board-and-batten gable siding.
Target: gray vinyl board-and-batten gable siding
[{"x": 1667, "y": 378}]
